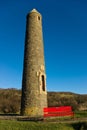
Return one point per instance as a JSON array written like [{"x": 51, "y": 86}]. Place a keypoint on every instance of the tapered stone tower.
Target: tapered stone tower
[{"x": 34, "y": 94}]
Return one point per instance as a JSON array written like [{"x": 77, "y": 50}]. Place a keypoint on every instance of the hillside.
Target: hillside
[
  {"x": 10, "y": 100},
  {"x": 77, "y": 101}
]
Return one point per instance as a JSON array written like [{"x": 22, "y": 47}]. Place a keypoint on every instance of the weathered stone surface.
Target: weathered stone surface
[{"x": 34, "y": 95}]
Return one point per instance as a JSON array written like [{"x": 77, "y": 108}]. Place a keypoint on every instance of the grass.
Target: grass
[
  {"x": 80, "y": 114},
  {"x": 26, "y": 125},
  {"x": 52, "y": 124}
]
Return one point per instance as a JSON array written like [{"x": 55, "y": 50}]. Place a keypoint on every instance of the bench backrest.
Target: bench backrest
[{"x": 58, "y": 111}]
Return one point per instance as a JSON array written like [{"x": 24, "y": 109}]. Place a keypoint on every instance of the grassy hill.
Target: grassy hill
[
  {"x": 10, "y": 100},
  {"x": 77, "y": 101}
]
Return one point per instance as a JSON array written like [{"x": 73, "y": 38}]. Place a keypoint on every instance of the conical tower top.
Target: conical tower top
[{"x": 34, "y": 11}]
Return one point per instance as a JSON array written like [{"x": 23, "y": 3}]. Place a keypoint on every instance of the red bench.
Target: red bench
[{"x": 58, "y": 111}]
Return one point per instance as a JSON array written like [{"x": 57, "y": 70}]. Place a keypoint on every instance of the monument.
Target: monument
[{"x": 34, "y": 94}]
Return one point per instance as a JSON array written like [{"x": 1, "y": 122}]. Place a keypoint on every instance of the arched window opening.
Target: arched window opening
[
  {"x": 43, "y": 83},
  {"x": 38, "y": 17}
]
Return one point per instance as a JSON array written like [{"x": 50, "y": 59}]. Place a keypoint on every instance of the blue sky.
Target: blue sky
[{"x": 65, "y": 42}]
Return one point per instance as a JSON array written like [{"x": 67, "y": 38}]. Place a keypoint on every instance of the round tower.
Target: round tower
[{"x": 34, "y": 94}]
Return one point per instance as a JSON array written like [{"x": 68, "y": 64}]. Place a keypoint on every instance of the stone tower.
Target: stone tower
[{"x": 34, "y": 94}]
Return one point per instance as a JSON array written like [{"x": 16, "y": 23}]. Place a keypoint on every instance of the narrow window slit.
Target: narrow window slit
[{"x": 43, "y": 83}]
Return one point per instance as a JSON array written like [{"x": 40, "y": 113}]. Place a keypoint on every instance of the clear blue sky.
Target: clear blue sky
[{"x": 65, "y": 42}]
